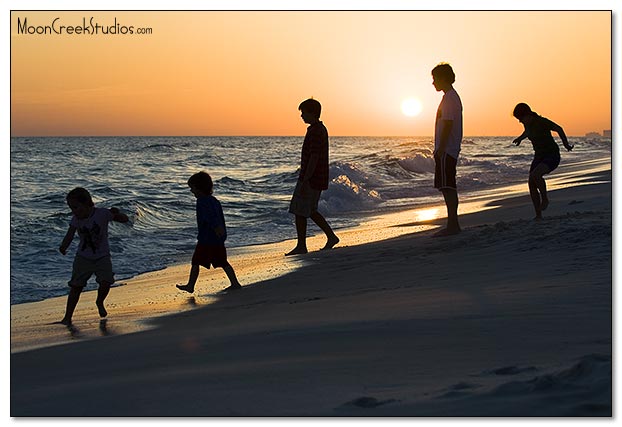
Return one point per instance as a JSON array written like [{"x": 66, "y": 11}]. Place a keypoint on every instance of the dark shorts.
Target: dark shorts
[
  {"x": 551, "y": 161},
  {"x": 84, "y": 268},
  {"x": 210, "y": 255},
  {"x": 304, "y": 204},
  {"x": 445, "y": 172}
]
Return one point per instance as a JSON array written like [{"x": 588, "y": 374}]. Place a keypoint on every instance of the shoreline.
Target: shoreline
[
  {"x": 512, "y": 317},
  {"x": 134, "y": 304}
]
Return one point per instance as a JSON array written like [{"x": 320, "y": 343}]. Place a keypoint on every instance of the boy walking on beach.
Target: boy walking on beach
[
  {"x": 447, "y": 142},
  {"x": 313, "y": 178},
  {"x": 210, "y": 249},
  {"x": 546, "y": 152},
  {"x": 93, "y": 255}
]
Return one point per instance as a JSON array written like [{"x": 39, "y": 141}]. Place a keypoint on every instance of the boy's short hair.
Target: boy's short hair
[
  {"x": 202, "y": 181},
  {"x": 311, "y": 106},
  {"x": 521, "y": 110},
  {"x": 80, "y": 195},
  {"x": 444, "y": 72}
]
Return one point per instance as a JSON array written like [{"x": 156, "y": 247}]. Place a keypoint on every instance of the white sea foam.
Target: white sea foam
[{"x": 420, "y": 163}]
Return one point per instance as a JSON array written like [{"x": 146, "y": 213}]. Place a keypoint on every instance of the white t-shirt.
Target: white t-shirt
[
  {"x": 93, "y": 233},
  {"x": 450, "y": 108}
]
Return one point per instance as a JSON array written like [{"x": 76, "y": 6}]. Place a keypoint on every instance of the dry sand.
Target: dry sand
[{"x": 512, "y": 317}]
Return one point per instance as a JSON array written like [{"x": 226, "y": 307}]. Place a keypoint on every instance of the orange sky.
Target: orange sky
[{"x": 244, "y": 73}]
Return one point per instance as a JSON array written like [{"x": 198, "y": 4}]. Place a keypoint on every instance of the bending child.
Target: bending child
[
  {"x": 93, "y": 255},
  {"x": 210, "y": 249},
  {"x": 546, "y": 152}
]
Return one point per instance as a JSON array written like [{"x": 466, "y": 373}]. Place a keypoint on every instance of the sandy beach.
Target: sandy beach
[{"x": 512, "y": 317}]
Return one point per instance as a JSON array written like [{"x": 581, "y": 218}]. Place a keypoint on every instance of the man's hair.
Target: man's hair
[
  {"x": 521, "y": 110},
  {"x": 202, "y": 181},
  {"x": 80, "y": 195},
  {"x": 444, "y": 72},
  {"x": 311, "y": 106}
]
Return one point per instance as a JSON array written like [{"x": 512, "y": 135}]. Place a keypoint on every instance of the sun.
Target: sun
[{"x": 411, "y": 107}]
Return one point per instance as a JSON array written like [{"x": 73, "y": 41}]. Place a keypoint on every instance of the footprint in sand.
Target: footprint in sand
[{"x": 368, "y": 402}]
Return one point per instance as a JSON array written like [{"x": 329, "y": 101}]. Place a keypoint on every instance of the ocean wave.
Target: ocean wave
[
  {"x": 420, "y": 163},
  {"x": 345, "y": 195},
  {"x": 158, "y": 147},
  {"x": 144, "y": 216},
  {"x": 492, "y": 167},
  {"x": 353, "y": 171},
  {"x": 230, "y": 182}
]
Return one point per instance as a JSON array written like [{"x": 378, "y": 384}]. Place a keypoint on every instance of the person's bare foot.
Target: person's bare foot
[
  {"x": 297, "y": 251},
  {"x": 332, "y": 241},
  {"x": 544, "y": 204},
  {"x": 66, "y": 322},
  {"x": 186, "y": 288}
]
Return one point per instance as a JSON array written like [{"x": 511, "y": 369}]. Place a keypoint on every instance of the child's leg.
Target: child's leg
[
  {"x": 537, "y": 188},
  {"x": 545, "y": 198},
  {"x": 231, "y": 275},
  {"x": 102, "y": 293},
  {"x": 321, "y": 222},
  {"x": 194, "y": 275},
  {"x": 535, "y": 197},
  {"x": 541, "y": 185},
  {"x": 72, "y": 302},
  {"x": 451, "y": 202},
  {"x": 301, "y": 234},
  {"x": 192, "y": 279}
]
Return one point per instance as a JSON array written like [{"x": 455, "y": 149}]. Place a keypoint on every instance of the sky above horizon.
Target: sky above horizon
[{"x": 245, "y": 73}]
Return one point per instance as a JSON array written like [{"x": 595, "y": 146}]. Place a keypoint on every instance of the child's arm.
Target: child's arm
[
  {"x": 311, "y": 165},
  {"x": 557, "y": 128},
  {"x": 67, "y": 240},
  {"x": 314, "y": 159},
  {"x": 220, "y": 231},
  {"x": 209, "y": 216},
  {"x": 118, "y": 216},
  {"x": 518, "y": 140}
]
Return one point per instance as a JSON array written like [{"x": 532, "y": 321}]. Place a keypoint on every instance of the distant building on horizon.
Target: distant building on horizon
[
  {"x": 607, "y": 133},
  {"x": 592, "y": 135}
]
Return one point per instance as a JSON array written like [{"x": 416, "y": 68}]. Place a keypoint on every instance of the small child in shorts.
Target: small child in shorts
[
  {"x": 210, "y": 249},
  {"x": 93, "y": 255}
]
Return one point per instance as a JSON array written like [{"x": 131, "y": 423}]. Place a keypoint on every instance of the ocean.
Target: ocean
[{"x": 253, "y": 177}]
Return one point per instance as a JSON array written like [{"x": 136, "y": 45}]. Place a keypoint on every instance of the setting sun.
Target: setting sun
[{"x": 411, "y": 107}]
